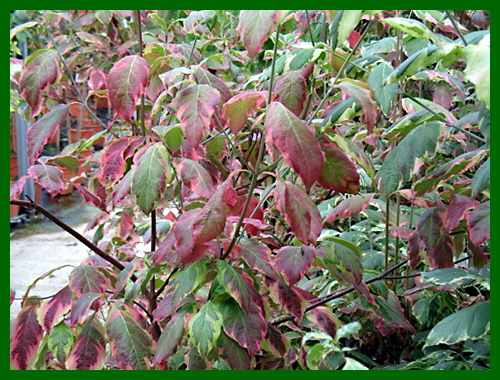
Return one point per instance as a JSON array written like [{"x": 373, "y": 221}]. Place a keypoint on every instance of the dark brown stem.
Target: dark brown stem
[{"x": 72, "y": 232}]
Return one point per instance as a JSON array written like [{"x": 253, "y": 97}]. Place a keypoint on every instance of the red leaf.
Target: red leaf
[
  {"x": 350, "y": 207},
  {"x": 161, "y": 253},
  {"x": 211, "y": 219},
  {"x": 257, "y": 220},
  {"x": 300, "y": 211},
  {"x": 456, "y": 210},
  {"x": 196, "y": 177},
  {"x": 91, "y": 198},
  {"x": 86, "y": 279},
  {"x": 339, "y": 172},
  {"x": 44, "y": 68},
  {"x": 326, "y": 320},
  {"x": 97, "y": 80},
  {"x": 246, "y": 328},
  {"x": 255, "y": 27},
  {"x": 288, "y": 298},
  {"x": 431, "y": 230},
  {"x": 237, "y": 109},
  {"x": 83, "y": 303},
  {"x": 235, "y": 355},
  {"x": 364, "y": 95},
  {"x": 43, "y": 130},
  {"x": 478, "y": 222},
  {"x": 126, "y": 82},
  {"x": 276, "y": 340},
  {"x": 56, "y": 308},
  {"x": 294, "y": 262},
  {"x": 392, "y": 316},
  {"x": 195, "y": 106},
  {"x": 25, "y": 338},
  {"x": 258, "y": 258},
  {"x": 184, "y": 236},
  {"x": 291, "y": 88},
  {"x": 49, "y": 177},
  {"x": 295, "y": 141},
  {"x": 113, "y": 162},
  {"x": 415, "y": 247},
  {"x": 88, "y": 352},
  {"x": 442, "y": 95}
]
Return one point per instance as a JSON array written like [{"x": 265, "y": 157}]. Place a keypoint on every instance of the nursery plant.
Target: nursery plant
[{"x": 277, "y": 189}]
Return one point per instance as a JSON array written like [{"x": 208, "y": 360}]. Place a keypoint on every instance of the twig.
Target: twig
[{"x": 452, "y": 19}]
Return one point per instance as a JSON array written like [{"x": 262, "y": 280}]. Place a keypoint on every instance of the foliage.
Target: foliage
[{"x": 284, "y": 189}]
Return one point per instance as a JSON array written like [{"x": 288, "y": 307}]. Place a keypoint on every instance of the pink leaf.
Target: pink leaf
[
  {"x": 291, "y": 88},
  {"x": 255, "y": 27},
  {"x": 82, "y": 305},
  {"x": 295, "y": 141},
  {"x": 211, "y": 219},
  {"x": 16, "y": 188},
  {"x": 339, "y": 172},
  {"x": 44, "y": 68},
  {"x": 56, "y": 308},
  {"x": 88, "y": 352},
  {"x": 113, "y": 162},
  {"x": 252, "y": 225},
  {"x": 442, "y": 95},
  {"x": 284, "y": 295},
  {"x": 294, "y": 262},
  {"x": 326, "y": 320},
  {"x": 203, "y": 76},
  {"x": 195, "y": 106},
  {"x": 365, "y": 96},
  {"x": 91, "y": 198},
  {"x": 49, "y": 177},
  {"x": 350, "y": 207},
  {"x": 439, "y": 245},
  {"x": 237, "y": 109},
  {"x": 97, "y": 80},
  {"x": 87, "y": 279},
  {"x": 300, "y": 211},
  {"x": 43, "y": 130},
  {"x": 25, "y": 338},
  {"x": 196, "y": 177},
  {"x": 126, "y": 82},
  {"x": 258, "y": 258},
  {"x": 478, "y": 222}
]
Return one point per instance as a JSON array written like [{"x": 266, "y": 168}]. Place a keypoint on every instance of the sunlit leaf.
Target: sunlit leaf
[
  {"x": 478, "y": 68},
  {"x": 49, "y": 177},
  {"x": 25, "y": 338},
  {"x": 87, "y": 279},
  {"x": 204, "y": 328},
  {"x": 339, "y": 172},
  {"x": 56, "y": 307},
  {"x": 342, "y": 25},
  {"x": 237, "y": 109}
]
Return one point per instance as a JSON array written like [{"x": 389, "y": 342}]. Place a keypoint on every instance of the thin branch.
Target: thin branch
[
  {"x": 309, "y": 27},
  {"x": 455, "y": 25},
  {"x": 139, "y": 27}
]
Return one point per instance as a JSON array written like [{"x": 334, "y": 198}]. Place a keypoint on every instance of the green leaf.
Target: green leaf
[
  {"x": 411, "y": 27},
  {"x": 204, "y": 328},
  {"x": 171, "y": 135},
  {"x": 60, "y": 341},
  {"x": 353, "y": 365},
  {"x": 151, "y": 173},
  {"x": 385, "y": 95},
  {"x": 345, "y": 110},
  {"x": 481, "y": 180},
  {"x": 398, "y": 165},
  {"x": 472, "y": 322},
  {"x": 235, "y": 285},
  {"x": 170, "y": 337},
  {"x": 449, "y": 276},
  {"x": 342, "y": 26},
  {"x": 478, "y": 68},
  {"x": 339, "y": 172}
]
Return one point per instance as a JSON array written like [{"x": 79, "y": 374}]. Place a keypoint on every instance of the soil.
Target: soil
[{"x": 38, "y": 247}]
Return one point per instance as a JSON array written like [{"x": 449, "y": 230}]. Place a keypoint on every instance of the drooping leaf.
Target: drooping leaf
[
  {"x": 204, "y": 328},
  {"x": 235, "y": 355},
  {"x": 16, "y": 188},
  {"x": 456, "y": 166},
  {"x": 61, "y": 340},
  {"x": 49, "y": 177},
  {"x": 237, "y": 109},
  {"x": 43, "y": 68},
  {"x": 326, "y": 320},
  {"x": 258, "y": 258},
  {"x": 408, "y": 122},
  {"x": 294, "y": 262},
  {"x": 44, "y": 129},
  {"x": 83, "y": 304},
  {"x": 432, "y": 231},
  {"x": 126, "y": 82},
  {"x": 478, "y": 68},
  {"x": 397, "y": 166},
  {"x": 455, "y": 212},
  {"x": 392, "y": 316},
  {"x": 130, "y": 344},
  {"x": 385, "y": 95},
  {"x": 255, "y": 26},
  {"x": 344, "y": 260},
  {"x": 211, "y": 219},
  {"x": 113, "y": 162},
  {"x": 300, "y": 211},
  {"x": 350, "y": 207},
  {"x": 452, "y": 276},
  {"x": 195, "y": 176},
  {"x": 89, "y": 352},
  {"x": 339, "y": 172},
  {"x": 275, "y": 341},
  {"x": 291, "y": 88},
  {"x": 195, "y": 106},
  {"x": 411, "y": 27},
  {"x": 91, "y": 198},
  {"x": 63, "y": 160},
  {"x": 365, "y": 97},
  {"x": 170, "y": 337},
  {"x": 478, "y": 222},
  {"x": 25, "y": 338},
  {"x": 246, "y": 328},
  {"x": 286, "y": 296},
  {"x": 342, "y": 25},
  {"x": 125, "y": 275},
  {"x": 345, "y": 110},
  {"x": 56, "y": 307},
  {"x": 473, "y": 322},
  {"x": 87, "y": 279},
  {"x": 151, "y": 173}
]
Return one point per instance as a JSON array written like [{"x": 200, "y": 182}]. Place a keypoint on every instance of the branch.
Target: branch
[{"x": 72, "y": 232}]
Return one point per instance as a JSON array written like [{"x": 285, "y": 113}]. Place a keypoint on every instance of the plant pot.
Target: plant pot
[
  {"x": 14, "y": 210},
  {"x": 74, "y": 110},
  {"x": 14, "y": 167},
  {"x": 67, "y": 174},
  {"x": 85, "y": 134}
]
